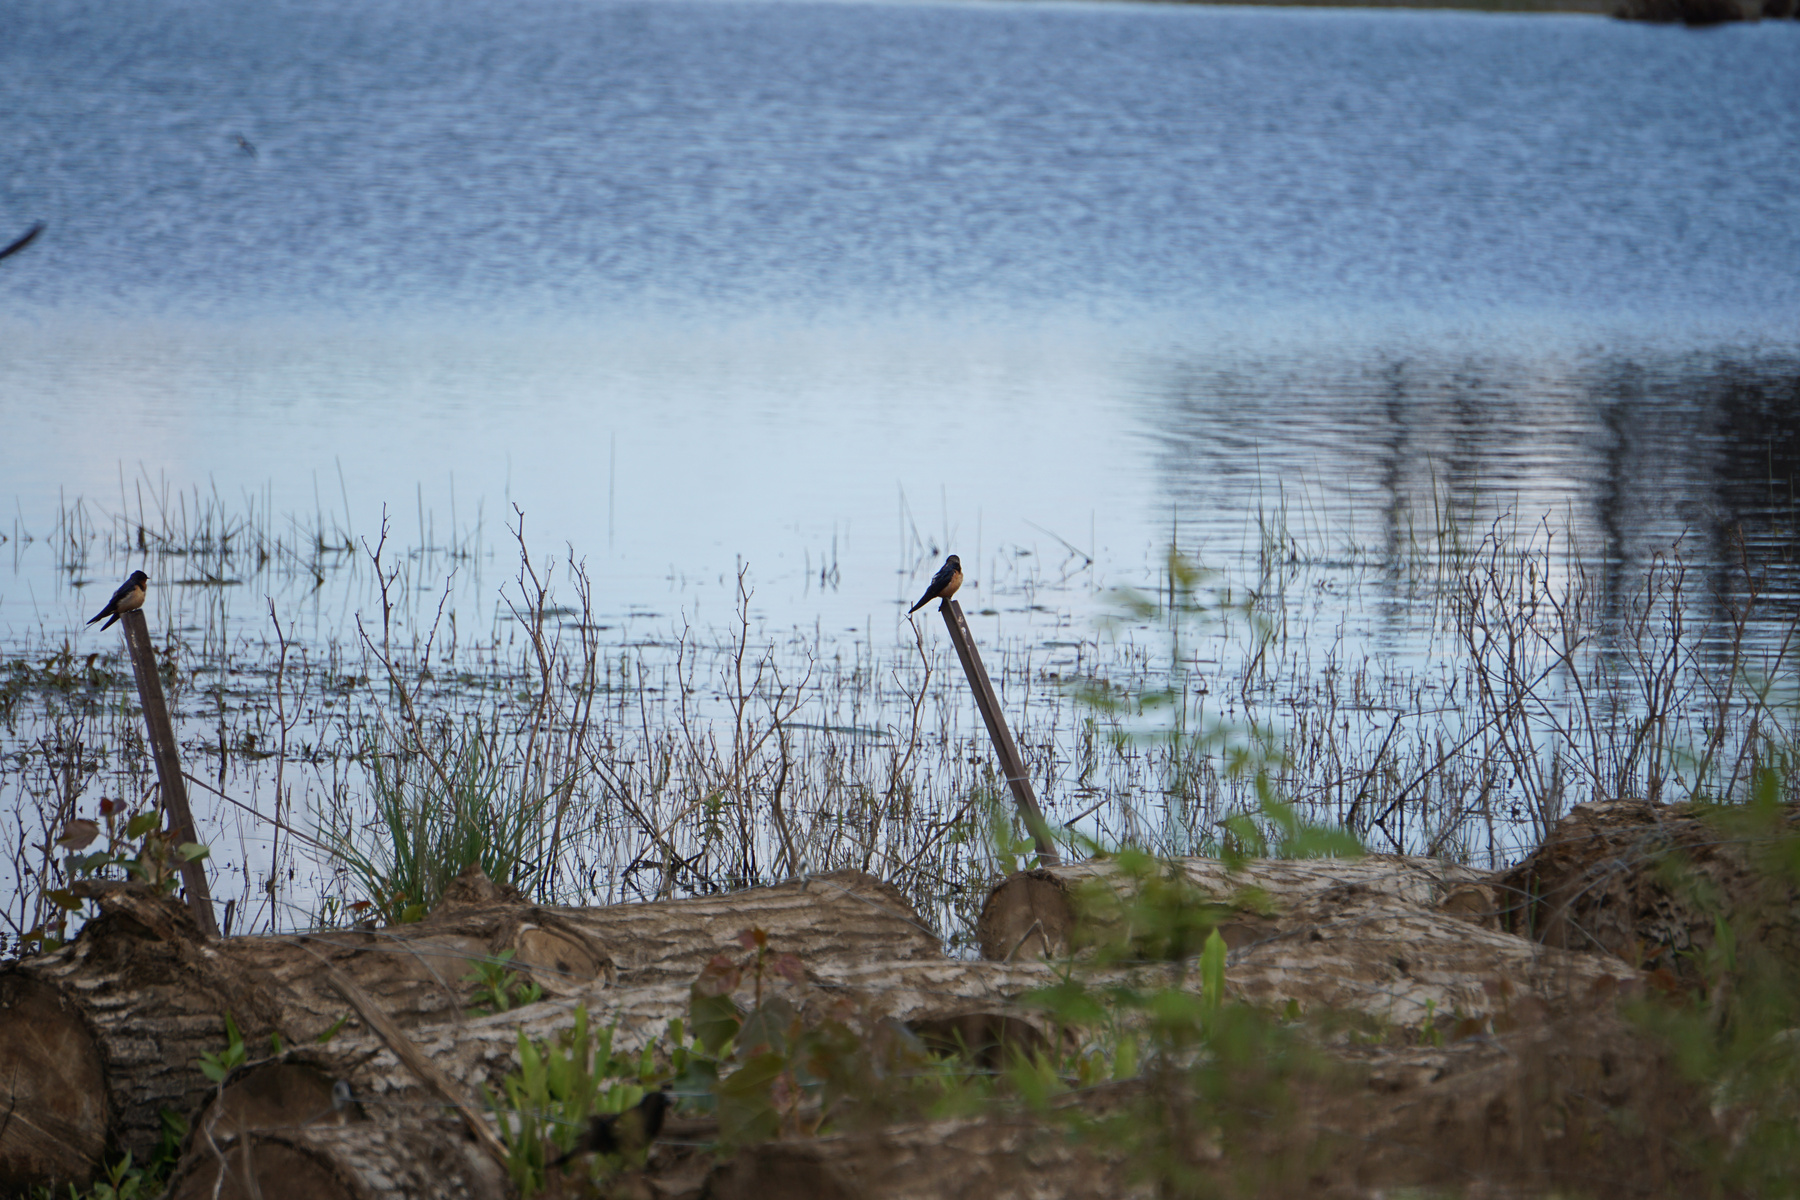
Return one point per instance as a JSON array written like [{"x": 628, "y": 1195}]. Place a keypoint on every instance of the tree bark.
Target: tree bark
[
  {"x": 1647, "y": 882},
  {"x": 57, "y": 1131},
  {"x": 144, "y": 994},
  {"x": 1576, "y": 1106},
  {"x": 1032, "y": 914},
  {"x": 966, "y": 1159},
  {"x": 1401, "y": 941}
]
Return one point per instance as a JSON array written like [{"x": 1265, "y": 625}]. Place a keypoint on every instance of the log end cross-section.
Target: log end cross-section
[{"x": 53, "y": 1120}]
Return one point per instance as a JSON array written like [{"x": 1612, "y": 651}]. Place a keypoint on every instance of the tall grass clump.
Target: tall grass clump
[{"x": 434, "y": 817}]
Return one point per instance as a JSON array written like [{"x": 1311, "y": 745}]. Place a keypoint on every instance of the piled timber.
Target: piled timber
[
  {"x": 1482, "y": 1052},
  {"x": 1532, "y": 1113},
  {"x": 108, "y": 1031},
  {"x": 1398, "y": 940}
]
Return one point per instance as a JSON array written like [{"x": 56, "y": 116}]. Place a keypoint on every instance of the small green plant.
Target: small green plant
[
  {"x": 216, "y": 1065},
  {"x": 137, "y": 845},
  {"x": 545, "y": 1106},
  {"x": 1429, "y": 1033},
  {"x": 1196, "y": 1071},
  {"x": 1212, "y": 975},
  {"x": 125, "y": 1180},
  {"x": 499, "y": 988}
]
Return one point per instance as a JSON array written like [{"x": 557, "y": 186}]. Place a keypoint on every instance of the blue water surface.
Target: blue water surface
[{"x": 693, "y": 281}]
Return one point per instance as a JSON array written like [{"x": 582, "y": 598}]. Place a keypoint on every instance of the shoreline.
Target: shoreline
[
  {"x": 1653, "y": 12},
  {"x": 1590, "y": 8}
]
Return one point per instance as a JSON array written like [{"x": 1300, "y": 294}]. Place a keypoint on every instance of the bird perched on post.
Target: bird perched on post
[
  {"x": 628, "y": 1132},
  {"x": 943, "y": 584},
  {"x": 129, "y": 596}
]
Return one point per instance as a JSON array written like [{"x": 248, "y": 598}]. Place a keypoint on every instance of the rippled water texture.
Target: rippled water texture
[{"x": 692, "y": 282}]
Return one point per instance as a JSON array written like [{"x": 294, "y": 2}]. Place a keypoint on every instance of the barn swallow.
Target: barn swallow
[
  {"x": 943, "y": 584},
  {"x": 628, "y": 1132},
  {"x": 23, "y": 240},
  {"x": 129, "y": 596}
]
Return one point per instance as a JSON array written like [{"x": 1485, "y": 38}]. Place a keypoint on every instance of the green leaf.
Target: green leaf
[
  {"x": 95, "y": 860},
  {"x": 696, "y": 1077},
  {"x": 746, "y": 1104},
  {"x": 559, "y": 1073},
  {"x": 218, "y": 1065},
  {"x": 193, "y": 851},
  {"x": 1176, "y": 1011},
  {"x": 531, "y": 1071},
  {"x": 1212, "y": 972},
  {"x": 1125, "y": 1058},
  {"x": 141, "y": 824},
  {"x": 715, "y": 1020},
  {"x": 768, "y": 1026},
  {"x": 1069, "y": 1002}
]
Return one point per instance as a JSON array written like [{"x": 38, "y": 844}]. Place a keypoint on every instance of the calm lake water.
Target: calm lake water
[{"x": 830, "y": 288}]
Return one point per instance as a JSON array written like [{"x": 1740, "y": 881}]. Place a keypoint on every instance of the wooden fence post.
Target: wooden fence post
[
  {"x": 1010, "y": 761},
  {"x": 168, "y": 766}
]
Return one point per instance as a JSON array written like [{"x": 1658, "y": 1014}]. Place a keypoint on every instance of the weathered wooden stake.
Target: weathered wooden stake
[
  {"x": 168, "y": 766},
  {"x": 1010, "y": 761}
]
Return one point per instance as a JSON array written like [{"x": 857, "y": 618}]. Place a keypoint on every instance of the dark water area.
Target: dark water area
[{"x": 1629, "y": 457}]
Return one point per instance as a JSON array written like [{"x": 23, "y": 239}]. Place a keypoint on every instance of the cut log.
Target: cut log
[
  {"x": 52, "y": 1088},
  {"x": 971, "y": 1159},
  {"x": 291, "y": 1092},
  {"x": 1349, "y": 949},
  {"x": 1409, "y": 944},
  {"x": 1401, "y": 941},
  {"x": 1646, "y": 883},
  {"x": 148, "y": 995},
  {"x": 1584, "y": 1104},
  {"x": 362, "y": 1161},
  {"x": 288, "y": 1129},
  {"x": 843, "y": 917},
  {"x": 1402, "y": 965},
  {"x": 1577, "y": 1106},
  {"x": 1032, "y": 914}
]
